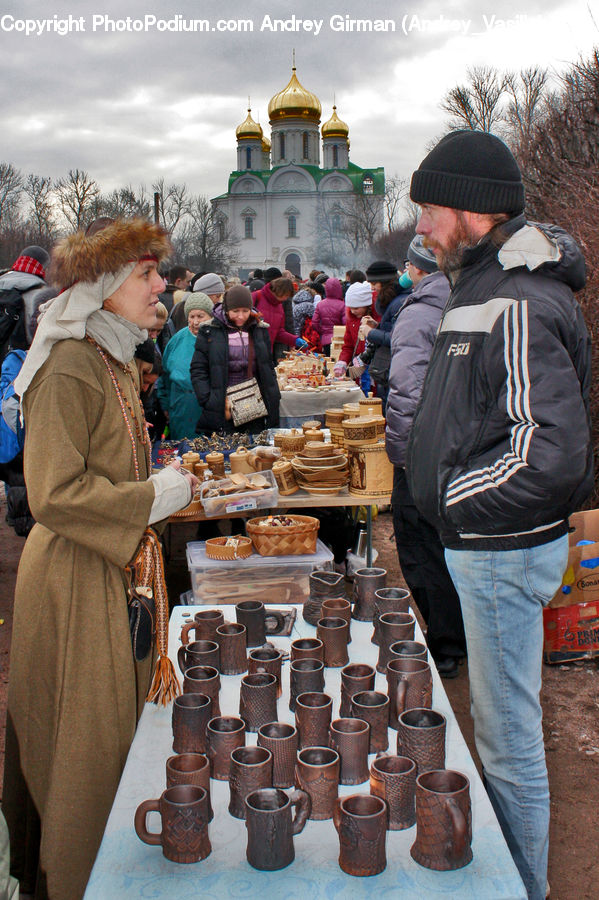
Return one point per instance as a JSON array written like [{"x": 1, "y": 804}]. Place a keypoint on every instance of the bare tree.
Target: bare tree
[
  {"x": 205, "y": 239},
  {"x": 11, "y": 184},
  {"x": 477, "y": 105},
  {"x": 528, "y": 94},
  {"x": 125, "y": 202},
  {"x": 396, "y": 190},
  {"x": 77, "y": 195},
  {"x": 39, "y": 191},
  {"x": 173, "y": 203}
]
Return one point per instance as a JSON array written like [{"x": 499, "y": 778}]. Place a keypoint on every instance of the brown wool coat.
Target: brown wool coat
[{"x": 75, "y": 694}]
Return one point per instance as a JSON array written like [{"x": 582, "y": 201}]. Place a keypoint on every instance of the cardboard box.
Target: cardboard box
[
  {"x": 580, "y": 583},
  {"x": 571, "y": 632}
]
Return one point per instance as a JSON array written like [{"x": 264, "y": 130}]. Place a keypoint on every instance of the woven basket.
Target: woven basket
[
  {"x": 284, "y": 540},
  {"x": 229, "y": 548}
]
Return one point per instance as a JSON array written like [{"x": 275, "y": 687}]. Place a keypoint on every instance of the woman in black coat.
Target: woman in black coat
[{"x": 233, "y": 347}]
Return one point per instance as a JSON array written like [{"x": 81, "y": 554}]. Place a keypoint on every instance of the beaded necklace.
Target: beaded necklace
[{"x": 140, "y": 430}]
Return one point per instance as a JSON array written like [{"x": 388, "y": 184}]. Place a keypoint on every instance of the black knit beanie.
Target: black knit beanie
[
  {"x": 271, "y": 273},
  {"x": 237, "y": 297},
  {"x": 382, "y": 271},
  {"x": 470, "y": 170}
]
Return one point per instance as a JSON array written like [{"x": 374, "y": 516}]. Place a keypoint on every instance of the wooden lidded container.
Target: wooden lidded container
[
  {"x": 359, "y": 430},
  {"x": 371, "y": 406},
  {"x": 351, "y": 410},
  {"x": 188, "y": 460},
  {"x": 370, "y": 470},
  {"x": 199, "y": 469},
  {"x": 239, "y": 461},
  {"x": 311, "y": 425},
  {"x": 285, "y": 477},
  {"x": 314, "y": 434},
  {"x": 292, "y": 442},
  {"x": 216, "y": 463}
]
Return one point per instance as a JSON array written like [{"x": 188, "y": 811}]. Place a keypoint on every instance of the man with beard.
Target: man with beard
[{"x": 500, "y": 452}]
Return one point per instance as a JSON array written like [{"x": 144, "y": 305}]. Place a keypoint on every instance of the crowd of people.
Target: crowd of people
[{"x": 480, "y": 353}]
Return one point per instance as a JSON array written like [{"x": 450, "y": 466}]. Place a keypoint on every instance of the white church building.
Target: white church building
[{"x": 287, "y": 208}]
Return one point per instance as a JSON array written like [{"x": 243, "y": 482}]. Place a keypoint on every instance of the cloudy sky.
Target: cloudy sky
[{"x": 123, "y": 91}]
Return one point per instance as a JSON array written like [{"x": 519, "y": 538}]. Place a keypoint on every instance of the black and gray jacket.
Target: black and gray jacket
[{"x": 500, "y": 449}]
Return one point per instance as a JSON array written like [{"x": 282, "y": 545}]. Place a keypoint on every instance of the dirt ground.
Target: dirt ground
[{"x": 570, "y": 699}]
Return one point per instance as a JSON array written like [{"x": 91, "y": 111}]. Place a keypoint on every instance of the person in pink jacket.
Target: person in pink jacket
[
  {"x": 269, "y": 303},
  {"x": 329, "y": 312}
]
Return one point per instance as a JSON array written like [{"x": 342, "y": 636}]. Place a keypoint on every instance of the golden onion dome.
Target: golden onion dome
[
  {"x": 265, "y": 145},
  {"x": 248, "y": 130},
  {"x": 294, "y": 101},
  {"x": 335, "y": 127}
]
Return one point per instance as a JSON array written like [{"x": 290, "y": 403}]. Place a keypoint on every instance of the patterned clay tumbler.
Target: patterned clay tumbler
[
  {"x": 409, "y": 650},
  {"x": 184, "y": 815},
  {"x": 269, "y": 660},
  {"x": 361, "y": 822},
  {"x": 391, "y": 599},
  {"x": 338, "y": 606},
  {"x": 350, "y": 738},
  {"x": 373, "y": 707},
  {"x": 191, "y": 714},
  {"x": 225, "y": 734},
  {"x": 190, "y": 768},
  {"x": 271, "y": 828},
  {"x": 354, "y": 678},
  {"x": 258, "y": 700},
  {"x": 334, "y": 634},
  {"x": 305, "y": 676},
  {"x": 393, "y": 627},
  {"x": 313, "y": 713},
  {"x": 393, "y": 779},
  {"x": 366, "y": 582},
  {"x": 409, "y": 685},
  {"x": 204, "y": 680},
  {"x": 443, "y": 821},
  {"x": 251, "y": 769},
  {"x": 307, "y": 648},
  {"x": 421, "y": 737},
  {"x": 317, "y": 773},
  {"x": 231, "y": 638},
  {"x": 283, "y": 742}
]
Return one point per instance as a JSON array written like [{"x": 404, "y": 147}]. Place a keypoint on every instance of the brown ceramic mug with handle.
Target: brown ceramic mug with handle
[
  {"x": 317, "y": 773},
  {"x": 183, "y": 811},
  {"x": 190, "y": 768},
  {"x": 251, "y": 769},
  {"x": 271, "y": 827},
  {"x": 252, "y": 614},
  {"x": 205, "y": 622},
  {"x": 198, "y": 653},
  {"x": 409, "y": 685},
  {"x": 373, "y": 707},
  {"x": 355, "y": 677},
  {"x": 361, "y": 823},
  {"x": 204, "y": 680},
  {"x": 443, "y": 821}
]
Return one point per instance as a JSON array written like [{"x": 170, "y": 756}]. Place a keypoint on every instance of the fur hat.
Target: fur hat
[
  {"x": 209, "y": 284},
  {"x": 85, "y": 258},
  {"x": 198, "y": 300},
  {"x": 358, "y": 294}
]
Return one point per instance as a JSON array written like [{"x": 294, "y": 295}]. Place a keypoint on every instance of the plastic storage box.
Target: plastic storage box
[
  {"x": 264, "y": 498},
  {"x": 271, "y": 579}
]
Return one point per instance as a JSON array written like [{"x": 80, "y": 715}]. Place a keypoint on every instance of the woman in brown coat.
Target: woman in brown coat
[{"x": 76, "y": 688}]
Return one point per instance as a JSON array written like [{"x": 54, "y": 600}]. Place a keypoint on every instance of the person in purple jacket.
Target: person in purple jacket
[{"x": 329, "y": 312}]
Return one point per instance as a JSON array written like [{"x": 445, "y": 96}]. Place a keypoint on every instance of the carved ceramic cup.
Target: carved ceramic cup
[
  {"x": 354, "y": 678},
  {"x": 366, "y": 582},
  {"x": 409, "y": 685},
  {"x": 350, "y": 738},
  {"x": 334, "y": 634},
  {"x": 421, "y": 737},
  {"x": 204, "y": 624},
  {"x": 258, "y": 700},
  {"x": 443, "y": 821},
  {"x": 393, "y": 627},
  {"x": 307, "y": 648},
  {"x": 198, "y": 653},
  {"x": 317, "y": 773},
  {"x": 391, "y": 599},
  {"x": 184, "y": 813},
  {"x": 190, "y": 768},
  {"x": 204, "y": 680},
  {"x": 305, "y": 676},
  {"x": 191, "y": 714},
  {"x": 312, "y": 718},
  {"x": 373, "y": 707},
  {"x": 393, "y": 779},
  {"x": 282, "y": 740},
  {"x": 225, "y": 734},
  {"x": 361, "y": 822},
  {"x": 338, "y": 606},
  {"x": 267, "y": 660},
  {"x": 252, "y": 614},
  {"x": 323, "y": 584},
  {"x": 251, "y": 769},
  {"x": 231, "y": 638},
  {"x": 408, "y": 650},
  {"x": 271, "y": 828}
]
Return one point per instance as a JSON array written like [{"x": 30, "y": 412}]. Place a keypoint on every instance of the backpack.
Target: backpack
[
  {"x": 310, "y": 334},
  {"x": 12, "y": 434}
]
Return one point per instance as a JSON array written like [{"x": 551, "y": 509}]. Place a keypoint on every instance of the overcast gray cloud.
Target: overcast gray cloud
[{"x": 132, "y": 105}]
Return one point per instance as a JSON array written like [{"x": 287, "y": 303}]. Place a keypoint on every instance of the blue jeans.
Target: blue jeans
[{"x": 502, "y": 594}]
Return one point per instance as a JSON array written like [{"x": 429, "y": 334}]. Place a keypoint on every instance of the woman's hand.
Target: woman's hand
[{"x": 192, "y": 479}]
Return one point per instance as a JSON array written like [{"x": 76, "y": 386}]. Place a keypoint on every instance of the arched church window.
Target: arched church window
[
  {"x": 282, "y": 146},
  {"x": 335, "y": 156},
  {"x": 248, "y": 157},
  {"x": 291, "y": 226},
  {"x": 306, "y": 145},
  {"x": 249, "y": 227}
]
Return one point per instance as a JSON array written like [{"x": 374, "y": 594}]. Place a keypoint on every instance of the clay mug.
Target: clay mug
[
  {"x": 282, "y": 740},
  {"x": 443, "y": 821},
  {"x": 409, "y": 685},
  {"x": 205, "y": 622},
  {"x": 191, "y": 714},
  {"x": 408, "y": 650},
  {"x": 323, "y": 584},
  {"x": 231, "y": 638},
  {"x": 393, "y": 779},
  {"x": 354, "y": 678},
  {"x": 251, "y": 769},
  {"x": 252, "y": 614},
  {"x": 334, "y": 634},
  {"x": 305, "y": 676},
  {"x": 190, "y": 768},
  {"x": 258, "y": 700},
  {"x": 271, "y": 828},
  {"x": 373, "y": 707},
  {"x": 313, "y": 712},
  {"x": 361, "y": 822},
  {"x": 184, "y": 814},
  {"x": 337, "y": 606},
  {"x": 307, "y": 648},
  {"x": 317, "y": 773},
  {"x": 391, "y": 599},
  {"x": 350, "y": 738},
  {"x": 198, "y": 653},
  {"x": 269, "y": 660},
  {"x": 393, "y": 627},
  {"x": 204, "y": 680},
  {"x": 366, "y": 582},
  {"x": 225, "y": 734},
  {"x": 421, "y": 737}
]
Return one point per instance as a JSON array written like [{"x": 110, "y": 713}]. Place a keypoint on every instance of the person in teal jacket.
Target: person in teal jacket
[{"x": 174, "y": 390}]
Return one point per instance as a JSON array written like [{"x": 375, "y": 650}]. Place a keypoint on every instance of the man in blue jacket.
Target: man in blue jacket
[{"x": 500, "y": 452}]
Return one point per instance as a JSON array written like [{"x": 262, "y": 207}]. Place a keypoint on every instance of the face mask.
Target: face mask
[{"x": 405, "y": 280}]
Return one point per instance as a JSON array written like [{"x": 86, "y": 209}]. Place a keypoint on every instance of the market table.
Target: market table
[
  {"x": 127, "y": 868},
  {"x": 297, "y": 406}
]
